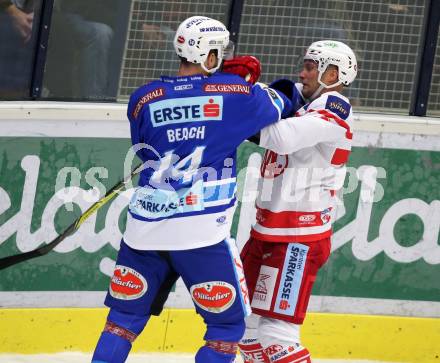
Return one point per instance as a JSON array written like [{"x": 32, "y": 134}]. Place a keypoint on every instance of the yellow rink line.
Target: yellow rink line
[{"x": 332, "y": 336}]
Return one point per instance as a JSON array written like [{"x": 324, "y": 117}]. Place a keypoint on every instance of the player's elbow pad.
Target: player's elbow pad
[
  {"x": 288, "y": 88},
  {"x": 255, "y": 138}
]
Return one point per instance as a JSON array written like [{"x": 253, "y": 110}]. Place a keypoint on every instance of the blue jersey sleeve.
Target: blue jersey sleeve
[
  {"x": 290, "y": 90},
  {"x": 139, "y": 120},
  {"x": 259, "y": 108},
  {"x": 134, "y": 121}
]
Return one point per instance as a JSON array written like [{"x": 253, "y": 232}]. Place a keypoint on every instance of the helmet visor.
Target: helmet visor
[{"x": 228, "y": 51}]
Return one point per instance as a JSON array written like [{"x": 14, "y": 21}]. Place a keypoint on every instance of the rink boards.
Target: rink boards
[
  {"x": 327, "y": 336},
  {"x": 383, "y": 270}
]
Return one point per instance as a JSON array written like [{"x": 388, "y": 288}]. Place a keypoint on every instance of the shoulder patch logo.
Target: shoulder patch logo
[
  {"x": 338, "y": 106},
  {"x": 150, "y": 96}
]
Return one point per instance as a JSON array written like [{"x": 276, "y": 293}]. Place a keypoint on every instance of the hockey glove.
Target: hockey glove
[{"x": 245, "y": 66}]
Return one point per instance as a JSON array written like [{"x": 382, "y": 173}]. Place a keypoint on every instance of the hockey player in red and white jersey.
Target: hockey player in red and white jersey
[{"x": 303, "y": 167}]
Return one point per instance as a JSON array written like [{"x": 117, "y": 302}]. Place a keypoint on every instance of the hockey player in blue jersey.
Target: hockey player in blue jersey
[{"x": 187, "y": 129}]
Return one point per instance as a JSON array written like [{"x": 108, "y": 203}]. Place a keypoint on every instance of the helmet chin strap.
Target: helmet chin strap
[
  {"x": 316, "y": 94},
  {"x": 212, "y": 70},
  {"x": 321, "y": 87}
]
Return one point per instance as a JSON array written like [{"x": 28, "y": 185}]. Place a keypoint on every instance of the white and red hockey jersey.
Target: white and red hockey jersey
[{"x": 303, "y": 167}]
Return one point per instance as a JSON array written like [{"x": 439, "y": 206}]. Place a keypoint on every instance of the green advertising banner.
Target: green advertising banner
[{"x": 385, "y": 245}]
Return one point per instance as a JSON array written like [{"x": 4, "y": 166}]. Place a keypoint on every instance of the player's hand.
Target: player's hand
[{"x": 246, "y": 66}]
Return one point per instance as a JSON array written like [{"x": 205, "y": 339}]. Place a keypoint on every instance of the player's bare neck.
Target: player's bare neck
[
  {"x": 190, "y": 70},
  {"x": 338, "y": 88}
]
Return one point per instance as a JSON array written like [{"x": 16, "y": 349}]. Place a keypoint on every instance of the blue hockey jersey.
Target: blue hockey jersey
[{"x": 187, "y": 130}]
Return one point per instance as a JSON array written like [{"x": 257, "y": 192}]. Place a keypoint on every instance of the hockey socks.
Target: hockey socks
[
  {"x": 288, "y": 354},
  {"x": 215, "y": 351},
  {"x": 120, "y": 331},
  {"x": 111, "y": 349},
  {"x": 252, "y": 351}
]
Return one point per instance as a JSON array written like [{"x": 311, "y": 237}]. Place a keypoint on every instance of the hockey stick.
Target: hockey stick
[{"x": 43, "y": 250}]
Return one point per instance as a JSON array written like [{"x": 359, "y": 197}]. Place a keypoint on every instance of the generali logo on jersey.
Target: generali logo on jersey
[
  {"x": 213, "y": 296},
  {"x": 150, "y": 96},
  {"x": 227, "y": 88},
  {"x": 127, "y": 284}
]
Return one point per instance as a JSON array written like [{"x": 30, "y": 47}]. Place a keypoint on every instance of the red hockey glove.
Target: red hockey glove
[{"x": 245, "y": 66}]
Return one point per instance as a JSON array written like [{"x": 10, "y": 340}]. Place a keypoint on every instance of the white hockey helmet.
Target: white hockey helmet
[
  {"x": 326, "y": 52},
  {"x": 197, "y": 35}
]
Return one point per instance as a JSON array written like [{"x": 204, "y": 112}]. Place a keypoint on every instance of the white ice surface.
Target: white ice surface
[{"x": 134, "y": 358}]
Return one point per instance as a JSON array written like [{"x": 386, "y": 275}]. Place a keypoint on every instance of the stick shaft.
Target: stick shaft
[{"x": 8, "y": 261}]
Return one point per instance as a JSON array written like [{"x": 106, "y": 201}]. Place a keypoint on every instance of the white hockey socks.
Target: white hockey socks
[
  {"x": 250, "y": 348},
  {"x": 281, "y": 341},
  {"x": 288, "y": 354}
]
